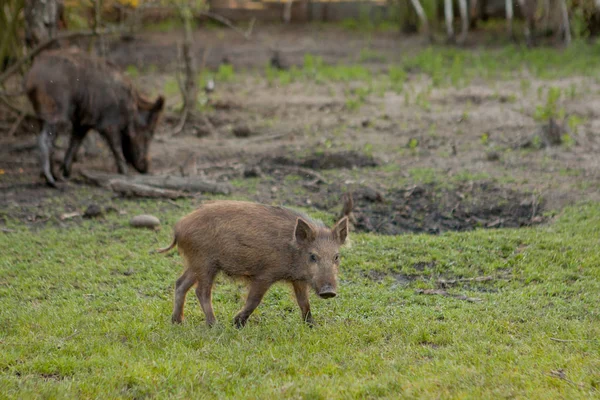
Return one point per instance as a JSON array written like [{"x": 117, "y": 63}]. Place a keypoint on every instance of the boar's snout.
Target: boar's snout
[
  {"x": 142, "y": 166},
  {"x": 327, "y": 292}
]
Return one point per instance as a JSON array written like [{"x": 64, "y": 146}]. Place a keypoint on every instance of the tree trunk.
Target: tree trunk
[
  {"x": 41, "y": 21},
  {"x": 190, "y": 88}
]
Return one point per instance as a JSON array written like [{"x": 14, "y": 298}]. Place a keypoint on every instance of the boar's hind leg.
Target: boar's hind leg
[
  {"x": 45, "y": 143},
  {"x": 77, "y": 137},
  {"x": 182, "y": 286},
  {"x": 204, "y": 294},
  {"x": 257, "y": 291},
  {"x": 301, "y": 291}
]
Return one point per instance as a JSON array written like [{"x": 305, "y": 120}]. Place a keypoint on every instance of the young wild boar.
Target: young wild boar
[
  {"x": 69, "y": 86},
  {"x": 260, "y": 243}
]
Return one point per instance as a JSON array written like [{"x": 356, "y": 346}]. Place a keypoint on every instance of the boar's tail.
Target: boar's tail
[{"x": 165, "y": 249}]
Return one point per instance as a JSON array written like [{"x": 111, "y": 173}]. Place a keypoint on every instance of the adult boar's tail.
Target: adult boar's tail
[{"x": 165, "y": 249}]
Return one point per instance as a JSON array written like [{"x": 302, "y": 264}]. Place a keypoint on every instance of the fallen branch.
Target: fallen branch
[
  {"x": 179, "y": 128},
  {"x": 186, "y": 184},
  {"x": 14, "y": 109},
  {"x": 20, "y": 147},
  {"x": 6, "y": 230},
  {"x": 229, "y": 24},
  {"x": 13, "y": 94},
  {"x": 256, "y": 139},
  {"x": 318, "y": 178},
  {"x": 129, "y": 189},
  {"x": 16, "y": 125},
  {"x": 446, "y": 294}
]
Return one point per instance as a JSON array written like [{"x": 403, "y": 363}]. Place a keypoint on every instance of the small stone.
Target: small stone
[
  {"x": 93, "y": 211},
  {"x": 242, "y": 131},
  {"x": 492, "y": 155},
  {"x": 252, "y": 172},
  {"x": 144, "y": 221}
]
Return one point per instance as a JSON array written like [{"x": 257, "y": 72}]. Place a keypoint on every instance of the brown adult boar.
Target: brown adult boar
[
  {"x": 68, "y": 86},
  {"x": 260, "y": 243}
]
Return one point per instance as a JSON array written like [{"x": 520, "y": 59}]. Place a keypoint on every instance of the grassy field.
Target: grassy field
[{"x": 86, "y": 314}]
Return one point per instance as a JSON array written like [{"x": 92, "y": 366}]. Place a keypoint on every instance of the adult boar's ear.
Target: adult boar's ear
[
  {"x": 303, "y": 232},
  {"x": 340, "y": 230},
  {"x": 155, "y": 111}
]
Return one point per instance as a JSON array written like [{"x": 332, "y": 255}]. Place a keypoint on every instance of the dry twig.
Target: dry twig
[
  {"x": 16, "y": 125},
  {"x": 446, "y": 294}
]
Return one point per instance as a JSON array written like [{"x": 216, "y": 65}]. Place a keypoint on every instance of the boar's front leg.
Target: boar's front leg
[
  {"x": 301, "y": 291},
  {"x": 77, "y": 137},
  {"x": 113, "y": 136},
  {"x": 45, "y": 143},
  {"x": 258, "y": 288}
]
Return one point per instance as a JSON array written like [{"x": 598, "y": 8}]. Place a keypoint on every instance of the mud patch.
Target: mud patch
[
  {"x": 328, "y": 160},
  {"x": 435, "y": 209}
]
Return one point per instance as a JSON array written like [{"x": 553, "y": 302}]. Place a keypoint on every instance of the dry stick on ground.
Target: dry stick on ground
[
  {"x": 267, "y": 138},
  {"x": 187, "y": 184},
  {"x": 446, "y": 294},
  {"x": 16, "y": 125},
  {"x": 228, "y": 23},
  {"x": 304, "y": 171},
  {"x": 14, "y": 109},
  {"x": 130, "y": 189}
]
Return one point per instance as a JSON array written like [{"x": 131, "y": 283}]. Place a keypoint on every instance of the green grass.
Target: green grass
[
  {"x": 447, "y": 66},
  {"x": 86, "y": 314}
]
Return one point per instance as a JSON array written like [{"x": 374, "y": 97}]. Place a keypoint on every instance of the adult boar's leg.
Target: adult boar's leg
[
  {"x": 258, "y": 289},
  {"x": 113, "y": 137},
  {"x": 45, "y": 142},
  {"x": 77, "y": 137},
  {"x": 301, "y": 291}
]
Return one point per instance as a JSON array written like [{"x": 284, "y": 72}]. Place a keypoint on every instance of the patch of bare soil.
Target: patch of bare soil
[
  {"x": 256, "y": 133},
  {"x": 436, "y": 209},
  {"x": 327, "y": 160}
]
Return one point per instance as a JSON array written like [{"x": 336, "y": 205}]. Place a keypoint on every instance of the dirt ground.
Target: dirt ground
[{"x": 459, "y": 163}]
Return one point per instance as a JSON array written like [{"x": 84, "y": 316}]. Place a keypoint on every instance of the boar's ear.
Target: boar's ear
[
  {"x": 158, "y": 104},
  {"x": 303, "y": 232},
  {"x": 340, "y": 230},
  {"x": 154, "y": 112}
]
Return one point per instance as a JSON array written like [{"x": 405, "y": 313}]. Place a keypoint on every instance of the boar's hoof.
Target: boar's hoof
[
  {"x": 175, "y": 319},
  {"x": 239, "y": 321}
]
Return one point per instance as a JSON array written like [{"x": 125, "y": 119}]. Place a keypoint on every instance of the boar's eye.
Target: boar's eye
[
  {"x": 313, "y": 257},
  {"x": 336, "y": 258}
]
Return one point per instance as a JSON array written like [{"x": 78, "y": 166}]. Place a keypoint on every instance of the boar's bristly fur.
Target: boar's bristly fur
[
  {"x": 69, "y": 86},
  {"x": 260, "y": 243}
]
